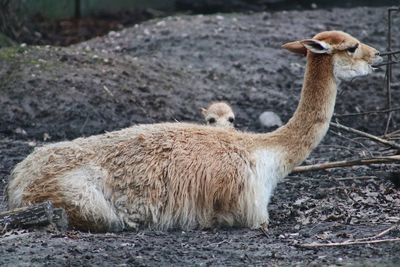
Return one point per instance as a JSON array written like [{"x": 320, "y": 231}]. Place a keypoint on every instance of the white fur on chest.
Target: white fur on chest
[{"x": 264, "y": 176}]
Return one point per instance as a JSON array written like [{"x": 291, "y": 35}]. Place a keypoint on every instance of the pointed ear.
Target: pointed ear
[
  {"x": 315, "y": 46},
  {"x": 203, "y": 111},
  {"x": 295, "y": 47}
]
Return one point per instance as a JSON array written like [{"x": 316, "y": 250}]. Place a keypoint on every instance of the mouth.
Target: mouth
[{"x": 378, "y": 61}]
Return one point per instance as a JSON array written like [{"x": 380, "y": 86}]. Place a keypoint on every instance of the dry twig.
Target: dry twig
[
  {"x": 355, "y": 242},
  {"x": 356, "y": 177},
  {"x": 346, "y": 163},
  {"x": 367, "y": 112},
  {"x": 359, "y": 241},
  {"x": 364, "y": 134},
  {"x": 390, "y": 53},
  {"x": 384, "y": 232},
  {"x": 365, "y": 148}
]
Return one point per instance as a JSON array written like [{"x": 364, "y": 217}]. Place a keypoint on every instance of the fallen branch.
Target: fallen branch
[
  {"x": 364, "y": 134},
  {"x": 36, "y": 215},
  {"x": 346, "y": 243},
  {"x": 346, "y": 163}
]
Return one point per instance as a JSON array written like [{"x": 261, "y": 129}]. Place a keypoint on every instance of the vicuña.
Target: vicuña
[
  {"x": 219, "y": 114},
  {"x": 181, "y": 175}
]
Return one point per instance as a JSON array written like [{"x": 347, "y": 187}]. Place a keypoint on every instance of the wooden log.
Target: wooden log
[{"x": 41, "y": 214}]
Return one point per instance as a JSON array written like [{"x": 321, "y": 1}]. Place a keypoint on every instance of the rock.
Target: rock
[{"x": 269, "y": 119}]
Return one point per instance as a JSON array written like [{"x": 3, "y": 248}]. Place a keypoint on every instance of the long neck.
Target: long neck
[{"x": 310, "y": 122}]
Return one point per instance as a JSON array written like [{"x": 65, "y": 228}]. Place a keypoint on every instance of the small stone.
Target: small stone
[
  {"x": 161, "y": 23},
  {"x": 46, "y": 137},
  {"x": 270, "y": 119},
  {"x": 32, "y": 144},
  {"x": 114, "y": 34}
]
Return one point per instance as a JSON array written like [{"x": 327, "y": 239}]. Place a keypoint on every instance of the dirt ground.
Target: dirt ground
[{"x": 166, "y": 70}]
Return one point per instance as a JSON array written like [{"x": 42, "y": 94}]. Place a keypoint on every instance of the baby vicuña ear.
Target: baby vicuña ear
[
  {"x": 203, "y": 111},
  {"x": 315, "y": 46},
  {"x": 295, "y": 47}
]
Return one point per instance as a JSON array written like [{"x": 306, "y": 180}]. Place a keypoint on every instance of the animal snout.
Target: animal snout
[{"x": 377, "y": 59}]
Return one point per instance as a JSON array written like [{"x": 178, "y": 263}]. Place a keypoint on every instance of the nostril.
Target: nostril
[
  {"x": 377, "y": 53},
  {"x": 377, "y": 59}
]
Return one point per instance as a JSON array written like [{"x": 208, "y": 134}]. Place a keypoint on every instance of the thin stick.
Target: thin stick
[
  {"x": 353, "y": 141},
  {"x": 389, "y": 68},
  {"x": 346, "y": 163},
  {"x": 355, "y": 242},
  {"x": 370, "y": 136},
  {"x": 390, "y": 53},
  {"x": 394, "y": 134},
  {"x": 389, "y": 71},
  {"x": 365, "y": 240},
  {"x": 386, "y": 63},
  {"x": 355, "y": 177},
  {"x": 367, "y": 112},
  {"x": 217, "y": 244},
  {"x": 384, "y": 232}
]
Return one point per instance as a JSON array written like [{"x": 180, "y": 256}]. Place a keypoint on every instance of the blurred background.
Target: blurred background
[{"x": 65, "y": 22}]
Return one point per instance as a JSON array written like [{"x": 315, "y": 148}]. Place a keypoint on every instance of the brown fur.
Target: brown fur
[{"x": 185, "y": 175}]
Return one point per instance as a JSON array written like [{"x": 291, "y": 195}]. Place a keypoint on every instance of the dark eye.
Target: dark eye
[
  {"x": 231, "y": 119},
  {"x": 352, "y": 49},
  {"x": 211, "y": 120}
]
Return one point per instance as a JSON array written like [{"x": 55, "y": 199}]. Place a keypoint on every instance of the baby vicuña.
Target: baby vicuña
[{"x": 219, "y": 114}]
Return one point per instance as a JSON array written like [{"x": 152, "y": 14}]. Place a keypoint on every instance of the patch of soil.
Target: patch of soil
[
  {"x": 38, "y": 30},
  {"x": 42, "y": 31},
  {"x": 166, "y": 70}
]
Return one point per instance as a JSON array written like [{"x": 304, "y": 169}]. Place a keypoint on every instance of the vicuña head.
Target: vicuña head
[
  {"x": 351, "y": 58},
  {"x": 186, "y": 175},
  {"x": 219, "y": 114}
]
